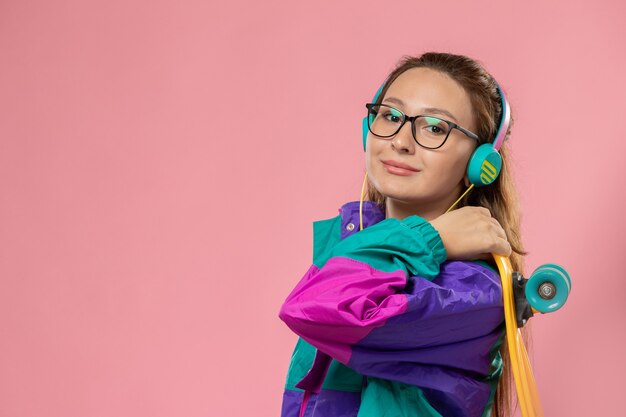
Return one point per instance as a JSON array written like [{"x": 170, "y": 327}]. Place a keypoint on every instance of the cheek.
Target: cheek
[
  {"x": 447, "y": 168},
  {"x": 372, "y": 152},
  {"x": 376, "y": 174},
  {"x": 368, "y": 159},
  {"x": 371, "y": 168}
]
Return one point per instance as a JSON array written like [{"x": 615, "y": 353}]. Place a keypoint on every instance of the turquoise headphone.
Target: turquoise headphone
[{"x": 485, "y": 164}]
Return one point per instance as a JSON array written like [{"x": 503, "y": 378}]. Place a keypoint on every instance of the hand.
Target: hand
[{"x": 470, "y": 233}]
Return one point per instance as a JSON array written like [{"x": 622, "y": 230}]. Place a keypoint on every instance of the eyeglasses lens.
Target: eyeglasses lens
[{"x": 385, "y": 121}]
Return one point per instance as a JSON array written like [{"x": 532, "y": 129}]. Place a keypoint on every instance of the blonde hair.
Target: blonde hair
[{"x": 500, "y": 197}]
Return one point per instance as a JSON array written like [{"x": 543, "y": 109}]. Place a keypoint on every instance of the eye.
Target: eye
[
  {"x": 392, "y": 115},
  {"x": 435, "y": 126},
  {"x": 392, "y": 118},
  {"x": 434, "y": 129}
]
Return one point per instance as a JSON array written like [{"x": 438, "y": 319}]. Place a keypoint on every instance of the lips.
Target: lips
[
  {"x": 400, "y": 165},
  {"x": 392, "y": 168}
]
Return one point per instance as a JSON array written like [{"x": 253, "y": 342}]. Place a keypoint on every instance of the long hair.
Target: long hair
[{"x": 501, "y": 196}]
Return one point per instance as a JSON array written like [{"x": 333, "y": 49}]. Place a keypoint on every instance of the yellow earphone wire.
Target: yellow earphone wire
[
  {"x": 463, "y": 195},
  {"x": 361, "y": 203}
]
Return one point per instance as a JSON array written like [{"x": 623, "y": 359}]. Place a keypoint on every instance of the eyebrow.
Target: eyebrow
[{"x": 426, "y": 109}]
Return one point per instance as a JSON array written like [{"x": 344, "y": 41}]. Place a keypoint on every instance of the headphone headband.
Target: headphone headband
[{"x": 505, "y": 121}]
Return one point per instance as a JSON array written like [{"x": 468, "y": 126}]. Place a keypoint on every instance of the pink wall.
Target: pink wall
[{"x": 160, "y": 168}]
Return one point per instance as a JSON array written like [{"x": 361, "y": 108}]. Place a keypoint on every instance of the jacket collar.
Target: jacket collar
[{"x": 349, "y": 212}]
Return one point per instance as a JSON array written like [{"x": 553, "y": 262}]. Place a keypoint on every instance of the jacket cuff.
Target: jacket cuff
[{"x": 429, "y": 234}]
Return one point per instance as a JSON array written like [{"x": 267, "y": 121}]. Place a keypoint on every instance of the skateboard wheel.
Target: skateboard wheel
[{"x": 548, "y": 287}]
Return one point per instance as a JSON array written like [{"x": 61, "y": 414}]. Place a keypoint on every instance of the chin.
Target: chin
[
  {"x": 395, "y": 185},
  {"x": 403, "y": 194}
]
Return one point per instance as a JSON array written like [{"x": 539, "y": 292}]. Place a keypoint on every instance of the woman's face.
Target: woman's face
[{"x": 439, "y": 173}]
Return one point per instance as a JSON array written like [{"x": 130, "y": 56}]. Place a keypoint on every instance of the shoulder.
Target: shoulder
[
  {"x": 326, "y": 233},
  {"x": 326, "y": 229}
]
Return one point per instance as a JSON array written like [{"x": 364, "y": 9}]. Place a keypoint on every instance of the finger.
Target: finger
[
  {"x": 502, "y": 247},
  {"x": 491, "y": 228},
  {"x": 478, "y": 210},
  {"x": 484, "y": 211},
  {"x": 498, "y": 229}
]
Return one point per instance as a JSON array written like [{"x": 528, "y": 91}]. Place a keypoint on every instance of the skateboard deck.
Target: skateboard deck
[{"x": 522, "y": 371}]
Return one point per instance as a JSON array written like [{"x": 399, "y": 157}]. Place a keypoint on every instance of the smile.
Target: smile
[{"x": 398, "y": 171}]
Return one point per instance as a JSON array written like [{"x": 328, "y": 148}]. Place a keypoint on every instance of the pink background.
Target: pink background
[{"x": 161, "y": 164}]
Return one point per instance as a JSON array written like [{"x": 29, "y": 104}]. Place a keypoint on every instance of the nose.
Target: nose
[{"x": 403, "y": 140}]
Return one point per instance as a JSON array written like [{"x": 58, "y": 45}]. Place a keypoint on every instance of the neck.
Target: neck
[{"x": 399, "y": 209}]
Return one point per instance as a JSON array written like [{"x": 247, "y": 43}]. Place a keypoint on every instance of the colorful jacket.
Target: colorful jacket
[{"x": 388, "y": 327}]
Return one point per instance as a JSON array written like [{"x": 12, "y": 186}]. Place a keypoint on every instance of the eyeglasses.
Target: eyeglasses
[{"x": 430, "y": 132}]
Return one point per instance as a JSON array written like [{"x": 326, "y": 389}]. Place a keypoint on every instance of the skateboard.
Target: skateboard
[{"x": 545, "y": 291}]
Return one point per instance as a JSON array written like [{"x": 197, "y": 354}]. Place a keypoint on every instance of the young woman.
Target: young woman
[{"x": 401, "y": 312}]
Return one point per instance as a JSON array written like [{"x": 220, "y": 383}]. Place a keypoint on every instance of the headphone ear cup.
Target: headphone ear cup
[
  {"x": 365, "y": 129},
  {"x": 484, "y": 165},
  {"x": 365, "y": 124}
]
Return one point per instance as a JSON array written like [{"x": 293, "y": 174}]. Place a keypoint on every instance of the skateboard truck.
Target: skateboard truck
[{"x": 523, "y": 310}]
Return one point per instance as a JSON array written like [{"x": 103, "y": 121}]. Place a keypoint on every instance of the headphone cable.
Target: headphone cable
[{"x": 459, "y": 199}]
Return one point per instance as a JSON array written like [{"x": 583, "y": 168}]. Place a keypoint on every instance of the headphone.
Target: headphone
[{"x": 485, "y": 164}]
